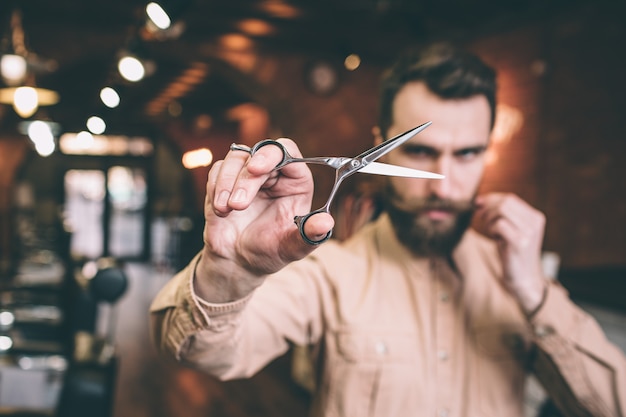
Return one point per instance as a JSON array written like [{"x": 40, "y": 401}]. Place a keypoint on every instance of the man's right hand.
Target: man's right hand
[{"x": 249, "y": 230}]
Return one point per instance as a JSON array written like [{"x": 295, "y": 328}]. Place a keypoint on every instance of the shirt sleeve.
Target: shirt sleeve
[
  {"x": 237, "y": 339},
  {"x": 581, "y": 370}
]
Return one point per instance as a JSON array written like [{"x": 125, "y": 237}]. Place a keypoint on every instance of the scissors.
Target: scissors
[{"x": 345, "y": 167}]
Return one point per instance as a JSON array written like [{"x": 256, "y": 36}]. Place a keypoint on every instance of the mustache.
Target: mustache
[{"x": 433, "y": 203}]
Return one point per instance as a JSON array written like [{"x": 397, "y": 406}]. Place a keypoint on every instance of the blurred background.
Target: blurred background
[{"x": 111, "y": 114}]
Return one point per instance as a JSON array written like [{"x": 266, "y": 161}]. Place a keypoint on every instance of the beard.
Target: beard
[{"x": 422, "y": 235}]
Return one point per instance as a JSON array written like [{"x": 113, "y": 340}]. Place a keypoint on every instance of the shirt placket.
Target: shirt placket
[{"x": 444, "y": 335}]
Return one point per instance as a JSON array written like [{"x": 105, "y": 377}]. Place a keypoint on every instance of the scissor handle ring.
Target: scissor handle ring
[
  {"x": 266, "y": 142},
  {"x": 301, "y": 220}
]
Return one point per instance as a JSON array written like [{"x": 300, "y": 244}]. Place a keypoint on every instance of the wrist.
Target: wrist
[
  {"x": 222, "y": 281},
  {"x": 533, "y": 299}
]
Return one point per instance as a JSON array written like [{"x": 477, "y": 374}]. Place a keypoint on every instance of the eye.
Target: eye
[{"x": 468, "y": 154}]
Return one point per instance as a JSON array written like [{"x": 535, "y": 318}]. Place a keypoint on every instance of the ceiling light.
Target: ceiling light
[
  {"x": 13, "y": 68},
  {"x": 26, "y": 100},
  {"x": 158, "y": 16},
  {"x": 15, "y": 62},
  {"x": 164, "y": 22},
  {"x": 109, "y": 97},
  {"x": 131, "y": 68},
  {"x": 96, "y": 125}
]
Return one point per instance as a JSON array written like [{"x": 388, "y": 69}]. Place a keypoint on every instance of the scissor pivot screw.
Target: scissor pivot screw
[{"x": 355, "y": 163}]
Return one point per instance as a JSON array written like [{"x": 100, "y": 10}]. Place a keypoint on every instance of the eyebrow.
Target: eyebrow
[{"x": 430, "y": 150}]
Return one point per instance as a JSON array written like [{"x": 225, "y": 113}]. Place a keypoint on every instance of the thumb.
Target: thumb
[{"x": 315, "y": 229}]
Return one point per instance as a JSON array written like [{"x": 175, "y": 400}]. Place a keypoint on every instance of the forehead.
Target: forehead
[{"x": 458, "y": 122}]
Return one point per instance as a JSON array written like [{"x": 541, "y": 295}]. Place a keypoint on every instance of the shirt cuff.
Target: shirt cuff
[
  {"x": 555, "y": 316},
  {"x": 214, "y": 314}
]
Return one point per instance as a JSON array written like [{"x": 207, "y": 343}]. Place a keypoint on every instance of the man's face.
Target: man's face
[{"x": 430, "y": 216}]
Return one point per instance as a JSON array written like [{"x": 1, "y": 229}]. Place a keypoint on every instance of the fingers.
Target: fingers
[
  {"x": 315, "y": 228},
  {"x": 211, "y": 183},
  {"x": 222, "y": 178},
  {"x": 518, "y": 229},
  {"x": 235, "y": 181},
  {"x": 511, "y": 219}
]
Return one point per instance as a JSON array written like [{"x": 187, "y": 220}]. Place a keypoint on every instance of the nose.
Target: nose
[{"x": 442, "y": 188}]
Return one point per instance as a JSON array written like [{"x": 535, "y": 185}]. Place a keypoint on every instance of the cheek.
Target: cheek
[
  {"x": 410, "y": 187},
  {"x": 466, "y": 179}
]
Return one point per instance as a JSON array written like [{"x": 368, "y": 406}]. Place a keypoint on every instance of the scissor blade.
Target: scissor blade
[
  {"x": 381, "y": 149},
  {"x": 397, "y": 171}
]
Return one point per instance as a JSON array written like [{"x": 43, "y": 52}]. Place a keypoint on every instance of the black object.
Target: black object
[{"x": 108, "y": 285}]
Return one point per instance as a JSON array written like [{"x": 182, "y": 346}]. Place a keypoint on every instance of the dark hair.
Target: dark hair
[{"x": 447, "y": 71}]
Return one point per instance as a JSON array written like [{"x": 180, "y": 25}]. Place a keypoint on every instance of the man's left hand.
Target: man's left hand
[{"x": 518, "y": 230}]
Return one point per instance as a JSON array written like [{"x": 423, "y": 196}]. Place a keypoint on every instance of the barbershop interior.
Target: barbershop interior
[{"x": 113, "y": 112}]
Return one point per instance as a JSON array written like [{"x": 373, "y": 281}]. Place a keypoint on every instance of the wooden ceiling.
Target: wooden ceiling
[{"x": 79, "y": 42}]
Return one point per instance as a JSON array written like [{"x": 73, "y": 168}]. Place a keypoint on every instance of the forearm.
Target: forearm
[{"x": 581, "y": 370}]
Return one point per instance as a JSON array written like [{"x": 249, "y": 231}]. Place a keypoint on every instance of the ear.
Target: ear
[{"x": 378, "y": 139}]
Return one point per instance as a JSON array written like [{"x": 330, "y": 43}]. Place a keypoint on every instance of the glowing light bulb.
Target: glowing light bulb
[
  {"x": 96, "y": 125},
  {"x": 25, "y": 101},
  {"x": 131, "y": 68},
  {"x": 158, "y": 16},
  {"x": 13, "y": 68},
  {"x": 109, "y": 97}
]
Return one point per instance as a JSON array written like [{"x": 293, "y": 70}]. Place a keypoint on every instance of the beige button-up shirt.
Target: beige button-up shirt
[{"x": 398, "y": 335}]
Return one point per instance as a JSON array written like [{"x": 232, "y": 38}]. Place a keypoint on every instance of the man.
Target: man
[{"x": 414, "y": 315}]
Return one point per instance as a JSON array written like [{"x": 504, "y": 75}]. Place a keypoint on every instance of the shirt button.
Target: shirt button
[
  {"x": 442, "y": 354},
  {"x": 443, "y": 412},
  {"x": 381, "y": 348},
  {"x": 444, "y": 297}
]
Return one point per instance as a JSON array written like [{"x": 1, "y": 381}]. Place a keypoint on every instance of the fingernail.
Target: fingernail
[
  {"x": 222, "y": 198},
  {"x": 239, "y": 196}
]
